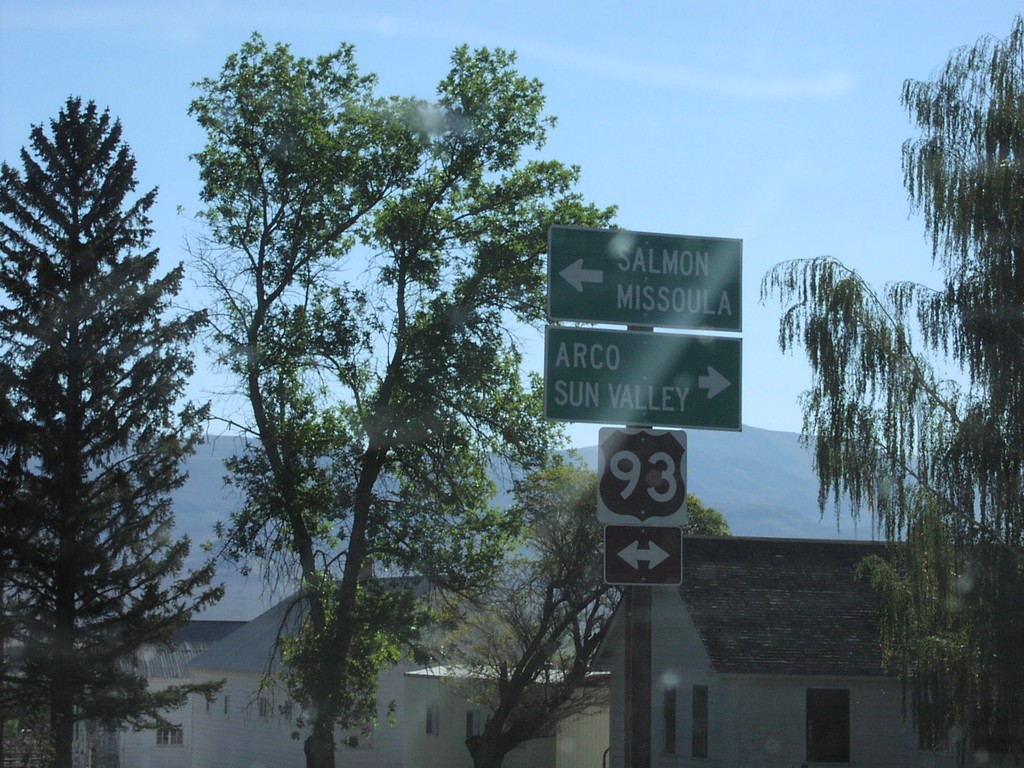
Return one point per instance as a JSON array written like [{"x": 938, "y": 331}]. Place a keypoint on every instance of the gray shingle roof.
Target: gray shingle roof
[
  {"x": 188, "y": 642},
  {"x": 253, "y": 647},
  {"x": 783, "y": 606}
]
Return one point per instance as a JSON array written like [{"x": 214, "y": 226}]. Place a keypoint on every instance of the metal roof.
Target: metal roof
[
  {"x": 254, "y": 646},
  {"x": 188, "y": 642}
]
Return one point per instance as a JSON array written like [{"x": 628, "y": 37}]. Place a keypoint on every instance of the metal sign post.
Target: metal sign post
[
  {"x": 638, "y": 664},
  {"x": 638, "y": 677}
]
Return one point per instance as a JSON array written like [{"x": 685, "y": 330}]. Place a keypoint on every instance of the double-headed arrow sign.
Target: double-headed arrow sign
[
  {"x": 652, "y": 554},
  {"x": 642, "y": 555},
  {"x": 640, "y": 278}
]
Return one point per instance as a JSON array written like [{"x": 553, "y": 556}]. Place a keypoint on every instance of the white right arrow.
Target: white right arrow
[
  {"x": 634, "y": 555},
  {"x": 576, "y": 275},
  {"x": 714, "y": 382}
]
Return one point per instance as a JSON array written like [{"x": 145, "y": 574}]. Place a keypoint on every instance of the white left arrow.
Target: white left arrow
[
  {"x": 634, "y": 555},
  {"x": 714, "y": 382},
  {"x": 576, "y": 275}
]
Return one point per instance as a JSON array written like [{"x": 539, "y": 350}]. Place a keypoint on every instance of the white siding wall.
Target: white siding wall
[
  {"x": 582, "y": 740},
  {"x": 446, "y": 748},
  {"x": 243, "y": 738},
  {"x": 770, "y": 714},
  {"x": 677, "y": 655},
  {"x": 385, "y": 749},
  {"x": 231, "y": 733},
  {"x": 536, "y": 753},
  {"x": 140, "y": 748}
]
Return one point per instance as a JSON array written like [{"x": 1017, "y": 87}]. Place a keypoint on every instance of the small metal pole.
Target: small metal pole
[
  {"x": 638, "y": 663},
  {"x": 638, "y": 677}
]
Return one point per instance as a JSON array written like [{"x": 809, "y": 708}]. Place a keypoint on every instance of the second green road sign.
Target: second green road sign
[{"x": 629, "y": 377}]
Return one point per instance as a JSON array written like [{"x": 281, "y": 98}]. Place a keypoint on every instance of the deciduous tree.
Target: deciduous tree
[
  {"x": 938, "y": 458},
  {"x": 371, "y": 260},
  {"x": 525, "y": 646},
  {"x": 92, "y": 432},
  {"x": 526, "y": 643}
]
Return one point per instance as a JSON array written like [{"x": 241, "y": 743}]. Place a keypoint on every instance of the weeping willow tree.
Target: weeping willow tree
[{"x": 916, "y": 408}]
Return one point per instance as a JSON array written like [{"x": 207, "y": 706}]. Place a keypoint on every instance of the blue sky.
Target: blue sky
[{"x": 778, "y": 123}]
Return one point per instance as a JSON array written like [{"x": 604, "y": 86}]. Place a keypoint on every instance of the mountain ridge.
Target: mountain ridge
[{"x": 762, "y": 481}]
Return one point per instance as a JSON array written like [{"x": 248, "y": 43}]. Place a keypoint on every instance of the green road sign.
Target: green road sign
[
  {"x": 638, "y": 278},
  {"x": 630, "y": 377}
]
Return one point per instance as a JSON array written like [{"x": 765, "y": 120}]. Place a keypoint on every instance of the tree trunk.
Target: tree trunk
[
  {"x": 485, "y": 753},
  {"x": 62, "y": 655},
  {"x": 62, "y": 731},
  {"x": 319, "y": 746}
]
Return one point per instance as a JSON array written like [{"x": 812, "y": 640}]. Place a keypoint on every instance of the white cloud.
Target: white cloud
[{"x": 762, "y": 87}]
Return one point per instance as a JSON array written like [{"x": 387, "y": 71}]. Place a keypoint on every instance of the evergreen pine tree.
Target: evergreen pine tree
[{"x": 92, "y": 369}]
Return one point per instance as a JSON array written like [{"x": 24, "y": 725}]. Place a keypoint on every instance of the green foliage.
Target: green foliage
[
  {"x": 93, "y": 367},
  {"x": 369, "y": 257},
  {"x": 704, "y": 521},
  {"x": 937, "y": 461},
  {"x": 387, "y": 616}
]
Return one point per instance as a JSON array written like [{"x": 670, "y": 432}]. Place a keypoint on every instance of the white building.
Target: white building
[
  {"x": 255, "y": 725},
  {"x": 442, "y": 712},
  {"x": 424, "y": 716},
  {"x": 167, "y": 747},
  {"x": 768, "y": 654}
]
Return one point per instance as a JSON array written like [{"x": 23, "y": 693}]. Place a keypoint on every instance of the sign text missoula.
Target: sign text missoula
[{"x": 636, "y": 278}]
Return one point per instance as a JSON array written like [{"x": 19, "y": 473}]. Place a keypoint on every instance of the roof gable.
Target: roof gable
[
  {"x": 783, "y": 606},
  {"x": 254, "y": 646}
]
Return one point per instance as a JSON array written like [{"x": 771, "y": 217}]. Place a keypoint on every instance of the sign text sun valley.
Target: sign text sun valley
[{"x": 625, "y": 377}]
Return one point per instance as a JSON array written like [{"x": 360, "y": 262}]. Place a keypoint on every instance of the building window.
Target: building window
[
  {"x": 472, "y": 723},
  {"x": 170, "y": 737},
  {"x": 828, "y": 725},
  {"x": 668, "y": 713},
  {"x": 699, "y": 722},
  {"x": 433, "y": 726},
  {"x": 264, "y": 704},
  {"x": 227, "y": 700}
]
